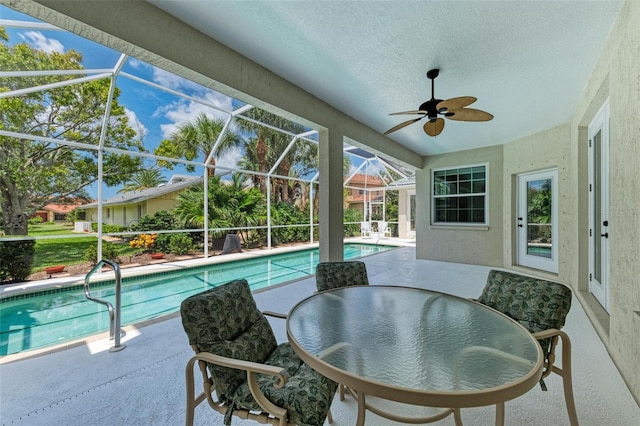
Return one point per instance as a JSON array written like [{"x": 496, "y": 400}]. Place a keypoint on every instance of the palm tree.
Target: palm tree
[
  {"x": 197, "y": 138},
  {"x": 229, "y": 205},
  {"x": 143, "y": 179},
  {"x": 265, "y": 145}
]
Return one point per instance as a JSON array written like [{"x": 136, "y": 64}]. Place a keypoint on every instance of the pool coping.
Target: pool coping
[
  {"x": 11, "y": 290},
  {"x": 63, "y": 282}
]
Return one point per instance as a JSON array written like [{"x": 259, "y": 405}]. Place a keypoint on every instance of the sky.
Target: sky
[{"x": 152, "y": 112}]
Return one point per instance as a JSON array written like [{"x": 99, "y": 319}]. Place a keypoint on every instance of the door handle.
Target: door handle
[
  {"x": 606, "y": 235},
  {"x": 520, "y": 225}
]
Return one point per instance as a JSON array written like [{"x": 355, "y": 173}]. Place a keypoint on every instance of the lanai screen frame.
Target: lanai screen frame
[{"x": 390, "y": 170}]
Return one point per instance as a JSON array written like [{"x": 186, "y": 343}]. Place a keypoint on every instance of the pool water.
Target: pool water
[{"x": 57, "y": 316}]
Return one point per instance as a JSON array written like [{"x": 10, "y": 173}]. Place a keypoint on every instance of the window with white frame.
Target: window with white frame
[{"x": 460, "y": 195}]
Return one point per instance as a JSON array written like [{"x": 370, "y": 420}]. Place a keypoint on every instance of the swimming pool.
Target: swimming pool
[{"x": 51, "y": 317}]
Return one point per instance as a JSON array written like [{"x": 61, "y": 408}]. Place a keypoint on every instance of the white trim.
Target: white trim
[
  {"x": 522, "y": 225},
  {"x": 599, "y": 289},
  {"x": 462, "y": 225}
]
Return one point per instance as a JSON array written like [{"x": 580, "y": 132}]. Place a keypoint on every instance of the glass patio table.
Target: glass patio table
[{"x": 415, "y": 346}]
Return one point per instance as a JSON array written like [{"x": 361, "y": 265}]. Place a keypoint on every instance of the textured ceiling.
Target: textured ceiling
[{"x": 527, "y": 62}]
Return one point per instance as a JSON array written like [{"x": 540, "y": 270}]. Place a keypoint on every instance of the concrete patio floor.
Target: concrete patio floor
[{"x": 144, "y": 383}]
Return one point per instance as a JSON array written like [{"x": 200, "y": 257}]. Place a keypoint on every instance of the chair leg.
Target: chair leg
[
  {"x": 191, "y": 401},
  {"x": 341, "y": 387},
  {"x": 457, "y": 418},
  {"x": 567, "y": 381}
]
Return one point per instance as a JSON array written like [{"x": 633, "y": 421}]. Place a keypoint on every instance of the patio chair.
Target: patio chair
[
  {"x": 330, "y": 275},
  {"x": 541, "y": 306},
  {"x": 365, "y": 229},
  {"x": 252, "y": 376},
  {"x": 383, "y": 229}
]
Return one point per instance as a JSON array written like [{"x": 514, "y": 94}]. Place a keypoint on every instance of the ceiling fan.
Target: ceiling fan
[{"x": 453, "y": 109}]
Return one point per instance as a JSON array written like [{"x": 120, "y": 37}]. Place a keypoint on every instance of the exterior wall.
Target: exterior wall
[
  {"x": 403, "y": 214},
  {"x": 544, "y": 150},
  {"x": 616, "y": 76},
  {"x": 482, "y": 245},
  {"x": 165, "y": 202}
]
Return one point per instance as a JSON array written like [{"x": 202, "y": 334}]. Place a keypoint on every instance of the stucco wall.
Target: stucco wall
[
  {"x": 157, "y": 204},
  {"x": 404, "y": 230},
  {"x": 474, "y": 245},
  {"x": 617, "y": 76},
  {"x": 544, "y": 150}
]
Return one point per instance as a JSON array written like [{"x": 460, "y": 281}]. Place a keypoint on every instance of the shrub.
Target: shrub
[
  {"x": 72, "y": 216},
  {"x": 109, "y": 252},
  {"x": 283, "y": 214},
  {"x": 352, "y": 215},
  {"x": 179, "y": 243},
  {"x": 107, "y": 229},
  {"x": 35, "y": 220},
  {"x": 147, "y": 242},
  {"x": 160, "y": 221},
  {"x": 16, "y": 259}
]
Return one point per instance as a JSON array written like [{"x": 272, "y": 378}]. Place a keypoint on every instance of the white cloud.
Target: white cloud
[
  {"x": 230, "y": 158},
  {"x": 135, "y": 123},
  {"x": 184, "y": 111},
  {"x": 175, "y": 82},
  {"x": 135, "y": 63},
  {"x": 40, "y": 42}
]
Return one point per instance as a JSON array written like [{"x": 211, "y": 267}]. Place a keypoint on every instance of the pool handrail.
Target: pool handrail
[{"x": 114, "y": 314}]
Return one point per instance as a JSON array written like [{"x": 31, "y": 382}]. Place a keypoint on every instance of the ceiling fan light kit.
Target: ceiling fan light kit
[{"x": 453, "y": 109}]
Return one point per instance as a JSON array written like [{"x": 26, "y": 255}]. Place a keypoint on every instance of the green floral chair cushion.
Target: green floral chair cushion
[
  {"x": 226, "y": 321},
  {"x": 535, "y": 303},
  {"x": 330, "y": 275},
  {"x": 306, "y": 396}
]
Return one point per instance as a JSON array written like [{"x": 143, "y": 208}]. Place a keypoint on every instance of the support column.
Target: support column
[{"x": 331, "y": 193}]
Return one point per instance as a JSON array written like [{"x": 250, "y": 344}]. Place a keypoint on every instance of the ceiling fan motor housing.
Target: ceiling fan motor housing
[
  {"x": 430, "y": 107},
  {"x": 453, "y": 108}
]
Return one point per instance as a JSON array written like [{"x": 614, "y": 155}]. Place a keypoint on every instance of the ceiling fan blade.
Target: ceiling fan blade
[
  {"x": 409, "y": 112},
  {"x": 401, "y": 125},
  {"x": 470, "y": 114},
  {"x": 434, "y": 128},
  {"x": 454, "y": 104}
]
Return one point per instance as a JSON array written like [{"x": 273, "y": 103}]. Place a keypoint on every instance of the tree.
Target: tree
[
  {"x": 197, "y": 138},
  {"x": 230, "y": 205},
  {"x": 33, "y": 172},
  {"x": 143, "y": 179},
  {"x": 266, "y": 145}
]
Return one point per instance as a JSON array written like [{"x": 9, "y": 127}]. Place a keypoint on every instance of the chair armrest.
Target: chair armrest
[
  {"x": 249, "y": 366},
  {"x": 252, "y": 368},
  {"x": 275, "y": 314},
  {"x": 545, "y": 334}
]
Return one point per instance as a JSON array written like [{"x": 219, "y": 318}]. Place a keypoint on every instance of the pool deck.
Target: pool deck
[{"x": 144, "y": 383}]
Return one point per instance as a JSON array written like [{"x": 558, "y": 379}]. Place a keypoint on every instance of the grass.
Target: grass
[
  {"x": 64, "y": 251},
  {"x": 50, "y": 228}
]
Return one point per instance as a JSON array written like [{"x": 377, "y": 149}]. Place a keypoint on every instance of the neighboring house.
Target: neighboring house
[
  {"x": 126, "y": 209},
  {"x": 56, "y": 212},
  {"x": 406, "y": 206},
  {"x": 360, "y": 198}
]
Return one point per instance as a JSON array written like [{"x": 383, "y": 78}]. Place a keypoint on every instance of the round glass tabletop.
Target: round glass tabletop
[{"x": 416, "y": 346}]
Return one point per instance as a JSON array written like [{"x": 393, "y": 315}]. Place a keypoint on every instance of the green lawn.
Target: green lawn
[
  {"x": 50, "y": 228},
  {"x": 64, "y": 251}
]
